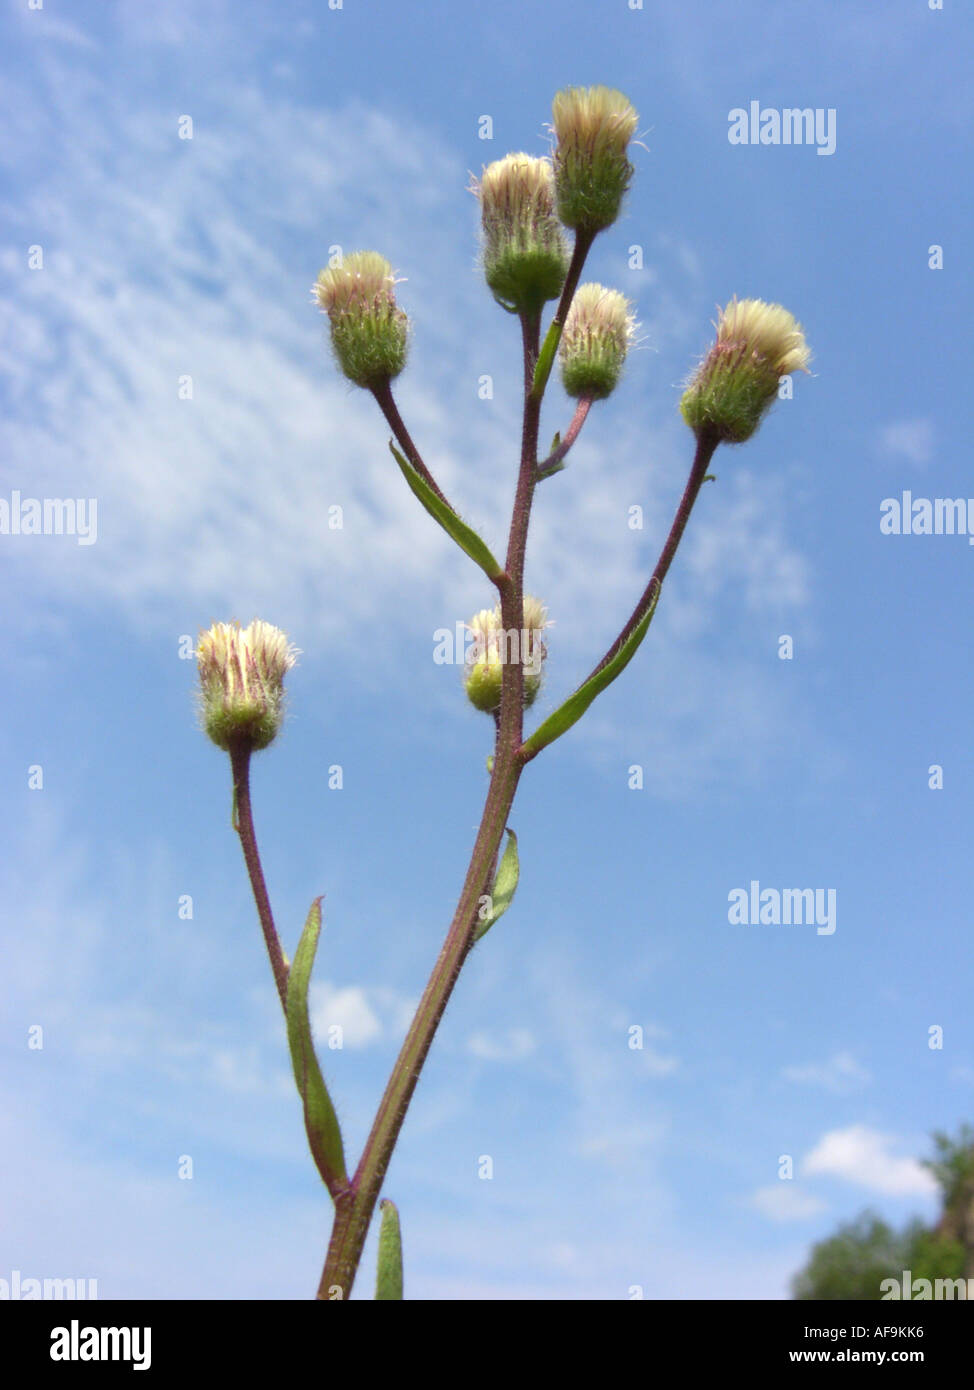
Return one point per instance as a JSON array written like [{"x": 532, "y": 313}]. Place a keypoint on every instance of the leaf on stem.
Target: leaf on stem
[
  {"x": 388, "y": 1278},
  {"x": 465, "y": 537},
  {"x": 575, "y": 706},
  {"x": 320, "y": 1120},
  {"x": 549, "y": 470},
  {"x": 502, "y": 891},
  {"x": 546, "y": 358}
]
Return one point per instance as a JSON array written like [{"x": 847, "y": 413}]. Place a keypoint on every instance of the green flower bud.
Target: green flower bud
[
  {"x": 242, "y": 683},
  {"x": 368, "y": 329},
  {"x": 595, "y": 341},
  {"x": 735, "y": 384},
  {"x": 492, "y": 646},
  {"x": 525, "y": 257},
  {"x": 592, "y": 127},
  {"x": 482, "y": 675}
]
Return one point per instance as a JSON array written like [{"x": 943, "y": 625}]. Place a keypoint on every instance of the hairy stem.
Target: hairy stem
[
  {"x": 243, "y": 823},
  {"x": 546, "y": 359},
  {"x": 706, "y": 445},
  {"x": 555, "y": 459},
  {"x": 354, "y": 1208},
  {"x": 386, "y": 402}
]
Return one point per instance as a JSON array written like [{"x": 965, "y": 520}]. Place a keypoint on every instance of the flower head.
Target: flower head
[
  {"x": 592, "y": 127},
  {"x": 757, "y": 344},
  {"x": 596, "y": 338},
  {"x": 492, "y": 647},
  {"x": 242, "y": 683},
  {"x": 368, "y": 329},
  {"x": 525, "y": 258}
]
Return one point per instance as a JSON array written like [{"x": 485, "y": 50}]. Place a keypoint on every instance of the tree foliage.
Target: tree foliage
[{"x": 852, "y": 1263}]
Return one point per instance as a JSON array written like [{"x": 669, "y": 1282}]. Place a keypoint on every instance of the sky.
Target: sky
[{"x": 633, "y": 1093}]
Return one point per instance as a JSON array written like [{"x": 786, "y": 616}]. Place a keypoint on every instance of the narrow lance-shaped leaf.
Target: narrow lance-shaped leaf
[
  {"x": 575, "y": 706},
  {"x": 388, "y": 1278},
  {"x": 464, "y": 535},
  {"x": 320, "y": 1120},
  {"x": 505, "y": 882},
  {"x": 546, "y": 358}
]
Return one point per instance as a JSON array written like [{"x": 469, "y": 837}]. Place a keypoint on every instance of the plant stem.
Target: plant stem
[
  {"x": 512, "y": 586},
  {"x": 244, "y": 826},
  {"x": 354, "y": 1208},
  {"x": 583, "y": 244},
  {"x": 554, "y": 460},
  {"x": 706, "y": 445},
  {"x": 386, "y": 403}
]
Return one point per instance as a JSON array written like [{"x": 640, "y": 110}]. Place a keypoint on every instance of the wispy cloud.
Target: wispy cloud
[
  {"x": 40, "y": 25},
  {"x": 506, "y": 1045},
  {"x": 783, "y": 1201},
  {"x": 841, "y": 1074},
  {"x": 187, "y": 386},
  {"x": 912, "y": 440}
]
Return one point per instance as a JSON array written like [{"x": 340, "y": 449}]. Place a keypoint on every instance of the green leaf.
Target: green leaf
[
  {"x": 465, "y": 537},
  {"x": 388, "y": 1278},
  {"x": 505, "y": 882},
  {"x": 549, "y": 471},
  {"x": 320, "y": 1120},
  {"x": 546, "y": 359},
  {"x": 575, "y": 706}
]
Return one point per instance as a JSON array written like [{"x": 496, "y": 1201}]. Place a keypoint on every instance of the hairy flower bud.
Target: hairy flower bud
[
  {"x": 525, "y": 257},
  {"x": 492, "y": 647},
  {"x": 735, "y": 384},
  {"x": 592, "y": 127},
  {"x": 595, "y": 341},
  {"x": 368, "y": 329},
  {"x": 242, "y": 683}
]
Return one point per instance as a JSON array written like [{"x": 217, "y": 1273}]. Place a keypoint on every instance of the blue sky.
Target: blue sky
[{"x": 164, "y": 258}]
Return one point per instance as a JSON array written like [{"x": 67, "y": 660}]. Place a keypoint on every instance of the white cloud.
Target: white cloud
[
  {"x": 47, "y": 28},
  {"x": 840, "y": 1074},
  {"x": 162, "y": 263},
  {"x": 364, "y": 1015},
  {"x": 179, "y": 23},
  {"x": 623, "y": 1147},
  {"x": 749, "y": 547},
  {"x": 347, "y": 1009},
  {"x": 608, "y": 1115},
  {"x": 862, "y": 1156},
  {"x": 511, "y": 1045},
  {"x": 658, "y": 1063},
  {"x": 909, "y": 439},
  {"x": 783, "y": 1201}
]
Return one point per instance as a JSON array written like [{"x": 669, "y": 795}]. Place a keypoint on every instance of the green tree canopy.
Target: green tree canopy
[{"x": 852, "y": 1263}]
